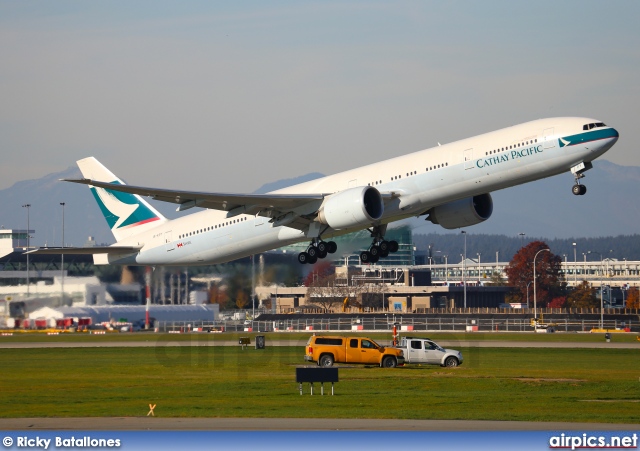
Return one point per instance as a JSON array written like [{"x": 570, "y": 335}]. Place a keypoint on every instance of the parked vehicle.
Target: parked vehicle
[
  {"x": 424, "y": 350},
  {"x": 327, "y": 350}
]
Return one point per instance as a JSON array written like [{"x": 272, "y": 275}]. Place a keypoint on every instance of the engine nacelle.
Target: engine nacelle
[
  {"x": 463, "y": 212},
  {"x": 351, "y": 208}
]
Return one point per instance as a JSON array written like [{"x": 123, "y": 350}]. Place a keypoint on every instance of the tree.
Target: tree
[
  {"x": 633, "y": 298},
  {"x": 218, "y": 296},
  {"x": 583, "y": 296},
  {"x": 559, "y": 302},
  {"x": 496, "y": 279},
  {"x": 320, "y": 271},
  {"x": 325, "y": 293},
  {"x": 241, "y": 299},
  {"x": 549, "y": 278}
]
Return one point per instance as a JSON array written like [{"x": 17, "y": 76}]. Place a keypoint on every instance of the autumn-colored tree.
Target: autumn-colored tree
[
  {"x": 241, "y": 299},
  {"x": 633, "y": 298},
  {"x": 217, "y": 295},
  {"x": 583, "y": 296},
  {"x": 549, "y": 278},
  {"x": 320, "y": 270},
  {"x": 559, "y": 302}
]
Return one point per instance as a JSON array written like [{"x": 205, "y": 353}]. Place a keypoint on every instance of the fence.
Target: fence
[{"x": 421, "y": 324}]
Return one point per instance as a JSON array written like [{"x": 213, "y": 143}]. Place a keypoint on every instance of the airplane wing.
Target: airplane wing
[
  {"x": 241, "y": 203},
  {"x": 85, "y": 250}
]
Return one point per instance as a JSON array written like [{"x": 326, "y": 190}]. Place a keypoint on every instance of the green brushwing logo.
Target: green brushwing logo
[{"x": 122, "y": 210}]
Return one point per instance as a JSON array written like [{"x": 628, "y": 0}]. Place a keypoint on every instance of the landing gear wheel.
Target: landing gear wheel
[
  {"x": 393, "y": 246},
  {"x": 384, "y": 246},
  {"x": 303, "y": 258},
  {"x": 322, "y": 254},
  {"x": 313, "y": 252},
  {"x": 365, "y": 257},
  {"x": 374, "y": 259},
  {"x": 384, "y": 254},
  {"x": 374, "y": 251},
  {"x": 312, "y": 260},
  {"x": 322, "y": 247},
  {"x": 579, "y": 190},
  {"x": 332, "y": 247}
]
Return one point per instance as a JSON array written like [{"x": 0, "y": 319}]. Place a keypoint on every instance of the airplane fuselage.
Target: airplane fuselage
[{"x": 418, "y": 182}]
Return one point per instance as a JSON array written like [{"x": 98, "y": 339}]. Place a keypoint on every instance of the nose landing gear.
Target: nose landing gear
[
  {"x": 578, "y": 173},
  {"x": 579, "y": 190}
]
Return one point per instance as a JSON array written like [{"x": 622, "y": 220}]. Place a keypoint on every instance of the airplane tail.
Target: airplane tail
[{"x": 127, "y": 214}]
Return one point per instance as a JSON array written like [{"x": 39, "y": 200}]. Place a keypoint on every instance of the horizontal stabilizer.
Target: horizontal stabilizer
[{"x": 85, "y": 250}]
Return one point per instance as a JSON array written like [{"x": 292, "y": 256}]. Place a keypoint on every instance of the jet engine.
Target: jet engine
[
  {"x": 463, "y": 212},
  {"x": 351, "y": 208}
]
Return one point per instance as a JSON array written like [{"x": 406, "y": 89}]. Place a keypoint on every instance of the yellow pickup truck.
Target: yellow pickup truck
[{"x": 327, "y": 350}]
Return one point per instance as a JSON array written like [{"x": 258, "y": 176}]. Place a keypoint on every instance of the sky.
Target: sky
[{"x": 227, "y": 96}]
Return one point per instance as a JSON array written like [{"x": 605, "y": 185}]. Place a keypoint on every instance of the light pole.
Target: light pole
[
  {"x": 522, "y": 234},
  {"x": 62, "y": 259},
  {"x": 529, "y": 283},
  {"x": 27, "y": 206},
  {"x": 464, "y": 257},
  {"x": 535, "y": 300},
  {"x": 479, "y": 268},
  {"x": 575, "y": 266}
]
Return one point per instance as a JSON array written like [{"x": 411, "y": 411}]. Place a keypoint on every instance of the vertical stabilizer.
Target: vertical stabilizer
[{"x": 127, "y": 214}]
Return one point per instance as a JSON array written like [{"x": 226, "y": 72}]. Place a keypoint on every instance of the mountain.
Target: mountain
[{"x": 545, "y": 208}]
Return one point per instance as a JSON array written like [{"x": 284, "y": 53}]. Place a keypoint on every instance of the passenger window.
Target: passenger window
[
  {"x": 416, "y": 345},
  {"x": 353, "y": 343}
]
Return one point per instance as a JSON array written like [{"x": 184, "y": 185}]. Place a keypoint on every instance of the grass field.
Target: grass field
[{"x": 585, "y": 385}]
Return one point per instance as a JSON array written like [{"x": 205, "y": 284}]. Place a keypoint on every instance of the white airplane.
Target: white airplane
[{"x": 450, "y": 184}]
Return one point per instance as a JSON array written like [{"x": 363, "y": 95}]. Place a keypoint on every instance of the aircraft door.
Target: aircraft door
[
  {"x": 547, "y": 138},
  {"x": 168, "y": 242},
  {"x": 468, "y": 159}
]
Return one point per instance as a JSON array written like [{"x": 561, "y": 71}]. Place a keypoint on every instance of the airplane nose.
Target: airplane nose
[{"x": 614, "y": 134}]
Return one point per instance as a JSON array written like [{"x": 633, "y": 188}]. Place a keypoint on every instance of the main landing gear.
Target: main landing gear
[
  {"x": 318, "y": 249},
  {"x": 380, "y": 248}
]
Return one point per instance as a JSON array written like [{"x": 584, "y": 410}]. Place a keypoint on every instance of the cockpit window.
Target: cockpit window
[{"x": 593, "y": 125}]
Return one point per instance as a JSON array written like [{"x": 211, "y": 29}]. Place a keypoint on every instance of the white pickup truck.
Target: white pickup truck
[{"x": 424, "y": 350}]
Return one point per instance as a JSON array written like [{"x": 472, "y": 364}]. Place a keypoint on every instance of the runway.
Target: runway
[{"x": 292, "y": 424}]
